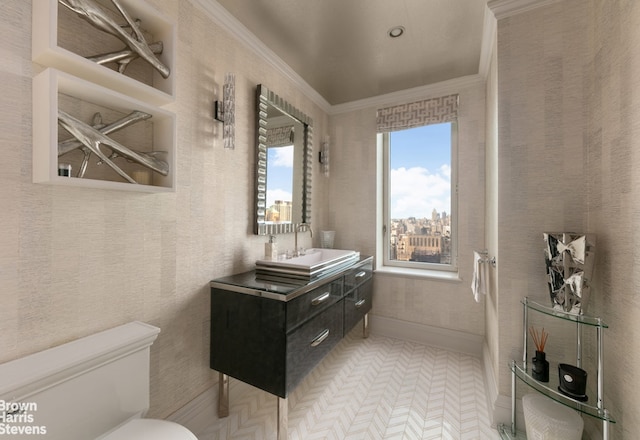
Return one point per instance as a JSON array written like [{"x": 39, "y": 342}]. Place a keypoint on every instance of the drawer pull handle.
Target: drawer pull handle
[
  {"x": 320, "y": 299},
  {"x": 360, "y": 303},
  {"x": 321, "y": 337},
  {"x": 361, "y": 274}
]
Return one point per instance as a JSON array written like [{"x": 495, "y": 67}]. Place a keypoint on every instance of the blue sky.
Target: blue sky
[
  {"x": 279, "y": 174},
  {"x": 420, "y": 171}
]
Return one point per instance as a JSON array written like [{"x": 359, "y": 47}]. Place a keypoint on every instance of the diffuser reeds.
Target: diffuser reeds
[{"x": 540, "y": 339}]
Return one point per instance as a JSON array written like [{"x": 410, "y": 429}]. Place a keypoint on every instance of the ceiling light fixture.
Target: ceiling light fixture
[{"x": 396, "y": 31}]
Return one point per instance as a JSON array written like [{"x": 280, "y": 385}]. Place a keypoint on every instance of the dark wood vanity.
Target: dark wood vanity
[{"x": 271, "y": 335}]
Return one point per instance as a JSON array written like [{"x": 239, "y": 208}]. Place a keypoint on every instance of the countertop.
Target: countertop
[{"x": 249, "y": 283}]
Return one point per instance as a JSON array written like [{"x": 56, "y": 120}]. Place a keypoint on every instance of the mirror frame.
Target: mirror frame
[{"x": 266, "y": 98}]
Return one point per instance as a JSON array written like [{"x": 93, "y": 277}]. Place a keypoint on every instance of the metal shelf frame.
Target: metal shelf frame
[{"x": 523, "y": 373}]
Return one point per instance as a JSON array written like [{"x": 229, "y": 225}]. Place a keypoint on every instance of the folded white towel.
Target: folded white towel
[{"x": 480, "y": 276}]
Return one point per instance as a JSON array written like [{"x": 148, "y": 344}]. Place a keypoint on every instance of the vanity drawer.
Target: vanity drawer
[
  {"x": 357, "y": 303},
  {"x": 358, "y": 274},
  {"x": 313, "y": 302},
  {"x": 310, "y": 343}
]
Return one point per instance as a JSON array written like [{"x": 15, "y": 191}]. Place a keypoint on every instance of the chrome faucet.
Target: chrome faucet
[{"x": 301, "y": 227}]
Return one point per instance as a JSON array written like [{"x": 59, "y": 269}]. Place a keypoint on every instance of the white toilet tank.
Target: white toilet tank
[{"x": 83, "y": 389}]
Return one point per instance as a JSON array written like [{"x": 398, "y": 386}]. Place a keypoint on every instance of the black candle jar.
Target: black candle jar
[
  {"x": 573, "y": 382},
  {"x": 540, "y": 367}
]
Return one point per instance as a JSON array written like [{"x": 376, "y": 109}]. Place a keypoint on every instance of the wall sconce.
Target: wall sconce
[
  {"x": 324, "y": 156},
  {"x": 225, "y": 110}
]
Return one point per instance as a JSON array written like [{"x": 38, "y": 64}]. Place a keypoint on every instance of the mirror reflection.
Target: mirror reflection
[
  {"x": 283, "y": 171},
  {"x": 279, "y": 184},
  {"x": 285, "y": 165}
]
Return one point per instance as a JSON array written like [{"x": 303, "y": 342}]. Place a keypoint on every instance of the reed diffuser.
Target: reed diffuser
[{"x": 540, "y": 368}]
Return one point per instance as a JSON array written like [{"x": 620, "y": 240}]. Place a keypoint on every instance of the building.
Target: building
[{"x": 280, "y": 211}]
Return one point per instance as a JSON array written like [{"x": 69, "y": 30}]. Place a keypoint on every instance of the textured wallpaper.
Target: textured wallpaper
[
  {"x": 74, "y": 261},
  {"x": 568, "y": 161}
]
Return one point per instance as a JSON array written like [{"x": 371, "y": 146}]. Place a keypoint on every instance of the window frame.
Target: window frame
[{"x": 384, "y": 237}]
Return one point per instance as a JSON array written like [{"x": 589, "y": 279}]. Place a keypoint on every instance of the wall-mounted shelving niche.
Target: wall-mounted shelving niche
[
  {"x": 53, "y": 90},
  {"x": 62, "y": 39}
]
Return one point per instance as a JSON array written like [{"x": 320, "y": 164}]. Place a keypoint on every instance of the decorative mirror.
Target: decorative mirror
[{"x": 283, "y": 165}]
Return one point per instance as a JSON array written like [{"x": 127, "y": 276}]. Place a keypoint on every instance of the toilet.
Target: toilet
[{"x": 95, "y": 387}]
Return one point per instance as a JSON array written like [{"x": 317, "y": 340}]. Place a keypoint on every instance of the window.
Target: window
[{"x": 419, "y": 193}]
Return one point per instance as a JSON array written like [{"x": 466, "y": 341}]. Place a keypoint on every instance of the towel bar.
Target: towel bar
[{"x": 486, "y": 258}]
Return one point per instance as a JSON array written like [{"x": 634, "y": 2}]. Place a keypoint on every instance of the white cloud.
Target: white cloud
[
  {"x": 281, "y": 156},
  {"x": 446, "y": 171},
  {"x": 416, "y": 192}
]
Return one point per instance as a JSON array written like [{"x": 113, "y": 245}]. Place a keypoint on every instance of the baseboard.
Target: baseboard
[
  {"x": 500, "y": 411},
  {"x": 499, "y": 405},
  {"x": 491, "y": 387},
  {"x": 453, "y": 340},
  {"x": 200, "y": 413}
]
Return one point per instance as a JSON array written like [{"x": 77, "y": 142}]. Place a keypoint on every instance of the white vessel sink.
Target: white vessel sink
[{"x": 314, "y": 263}]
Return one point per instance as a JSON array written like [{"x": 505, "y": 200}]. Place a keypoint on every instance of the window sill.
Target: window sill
[{"x": 425, "y": 274}]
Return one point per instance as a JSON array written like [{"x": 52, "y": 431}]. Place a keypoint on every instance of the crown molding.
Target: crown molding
[
  {"x": 219, "y": 15},
  {"x": 506, "y": 8},
  {"x": 489, "y": 32},
  {"x": 410, "y": 95},
  {"x": 225, "y": 20}
]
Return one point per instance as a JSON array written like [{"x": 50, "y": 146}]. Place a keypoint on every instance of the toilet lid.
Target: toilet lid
[{"x": 150, "y": 429}]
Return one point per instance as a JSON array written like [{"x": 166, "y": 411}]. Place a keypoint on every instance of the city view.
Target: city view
[
  {"x": 420, "y": 194},
  {"x": 279, "y": 184},
  {"x": 424, "y": 240},
  {"x": 280, "y": 211}
]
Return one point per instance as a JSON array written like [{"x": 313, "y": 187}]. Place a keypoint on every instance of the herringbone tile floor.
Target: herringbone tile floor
[{"x": 370, "y": 389}]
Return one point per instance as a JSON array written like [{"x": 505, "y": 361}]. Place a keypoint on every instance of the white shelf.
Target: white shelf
[
  {"x": 53, "y": 90},
  {"x": 59, "y": 35}
]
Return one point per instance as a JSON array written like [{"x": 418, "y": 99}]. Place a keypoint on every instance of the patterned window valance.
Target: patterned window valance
[
  {"x": 417, "y": 114},
  {"x": 280, "y": 136}
]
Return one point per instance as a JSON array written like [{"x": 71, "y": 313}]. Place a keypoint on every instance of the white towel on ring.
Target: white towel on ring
[{"x": 480, "y": 276}]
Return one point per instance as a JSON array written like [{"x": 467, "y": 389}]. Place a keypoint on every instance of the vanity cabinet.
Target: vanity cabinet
[
  {"x": 307, "y": 345},
  {"x": 305, "y": 307},
  {"x": 272, "y": 335},
  {"x": 358, "y": 294}
]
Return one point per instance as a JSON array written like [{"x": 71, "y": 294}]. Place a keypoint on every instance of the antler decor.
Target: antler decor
[
  {"x": 136, "y": 44},
  {"x": 91, "y": 138}
]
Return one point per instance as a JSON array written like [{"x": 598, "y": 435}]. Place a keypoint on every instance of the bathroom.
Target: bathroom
[{"x": 547, "y": 135}]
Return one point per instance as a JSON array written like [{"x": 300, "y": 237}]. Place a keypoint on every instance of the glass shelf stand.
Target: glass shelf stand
[{"x": 523, "y": 373}]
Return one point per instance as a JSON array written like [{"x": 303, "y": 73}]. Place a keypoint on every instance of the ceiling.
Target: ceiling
[{"x": 342, "y": 49}]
